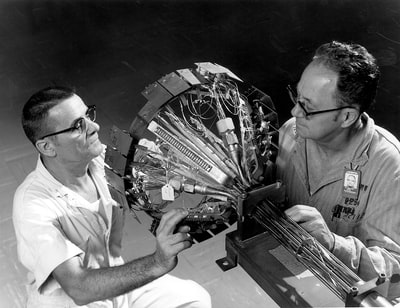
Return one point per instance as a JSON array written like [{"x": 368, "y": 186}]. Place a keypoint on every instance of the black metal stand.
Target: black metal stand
[{"x": 286, "y": 288}]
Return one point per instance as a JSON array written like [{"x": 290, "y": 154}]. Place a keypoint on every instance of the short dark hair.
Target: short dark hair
[
  {"x": 357, "y": 69},
  {"x": 36, "y": 110}
]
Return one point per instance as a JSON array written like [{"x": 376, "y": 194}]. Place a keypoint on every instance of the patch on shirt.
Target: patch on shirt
[{"x": 346, "y": 213}]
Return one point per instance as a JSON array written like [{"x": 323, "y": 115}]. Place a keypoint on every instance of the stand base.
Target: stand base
[{"x": 286, "y": 280}]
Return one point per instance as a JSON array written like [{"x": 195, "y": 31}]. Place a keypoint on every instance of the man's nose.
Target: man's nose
[
  {"x": 92, "y": 126},
  {"x": 297, "y": 112}
]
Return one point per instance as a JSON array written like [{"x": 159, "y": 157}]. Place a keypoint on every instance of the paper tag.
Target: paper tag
[{"x": 167, "y": 193}]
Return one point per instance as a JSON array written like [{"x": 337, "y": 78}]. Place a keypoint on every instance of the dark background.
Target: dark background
[{"x": 111, "y": 50}]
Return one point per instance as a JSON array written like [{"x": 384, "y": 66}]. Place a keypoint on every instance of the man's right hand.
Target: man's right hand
[
  {"x": 168, "y": 243},
  {"x": 85, "y": 285}
]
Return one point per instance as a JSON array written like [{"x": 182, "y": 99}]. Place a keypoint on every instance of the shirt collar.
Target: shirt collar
[
  {"x": 54, "y": 185},
  {"x": 363, "y": 141}
]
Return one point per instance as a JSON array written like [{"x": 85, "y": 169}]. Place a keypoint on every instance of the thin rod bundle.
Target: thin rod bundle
[{"x": 320, "y": 261}]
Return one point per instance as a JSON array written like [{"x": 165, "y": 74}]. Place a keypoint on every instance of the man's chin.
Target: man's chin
[
  {"x": 96, "y": 147},
  {"x": 299, "y": 129}
]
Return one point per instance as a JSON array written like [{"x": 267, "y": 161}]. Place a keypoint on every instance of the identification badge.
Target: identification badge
[
  {"x": 351, "y": 183},
  {"x": 167, "y": 193}
]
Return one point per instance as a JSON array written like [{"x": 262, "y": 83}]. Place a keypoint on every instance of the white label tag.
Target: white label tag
[{"x": 167, "y": 193}]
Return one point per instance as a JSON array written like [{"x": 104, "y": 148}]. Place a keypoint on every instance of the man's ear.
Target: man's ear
[
  {"x": 350, "y": 116},
  {"x": 45, "y": 147}
]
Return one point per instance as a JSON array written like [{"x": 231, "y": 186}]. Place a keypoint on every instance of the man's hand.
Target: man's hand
[
  {"x": 85, "y": 285},
  {"x": 312, "y": 221},
  {"x": 168, "y": 243}
]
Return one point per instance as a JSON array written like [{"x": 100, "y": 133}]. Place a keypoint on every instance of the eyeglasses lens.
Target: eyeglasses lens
[
  {"x": 80, "y": 125},
  {"x": 292, "y": 94},
  {"x": 91, "y": 113},
  {"x": 295, "y": 101}
]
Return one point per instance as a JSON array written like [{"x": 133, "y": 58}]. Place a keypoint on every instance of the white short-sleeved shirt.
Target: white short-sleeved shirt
[{"x": 53, "y": 224}]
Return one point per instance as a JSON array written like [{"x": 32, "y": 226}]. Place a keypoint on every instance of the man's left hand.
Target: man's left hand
[{"x": 312, "y": 221}]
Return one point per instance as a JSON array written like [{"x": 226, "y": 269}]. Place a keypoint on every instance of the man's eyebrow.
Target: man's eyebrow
[
  {"x": 81, "y": 117},
  {"x": 75, "y": 121},
  {"x": 303, "y": 99}
]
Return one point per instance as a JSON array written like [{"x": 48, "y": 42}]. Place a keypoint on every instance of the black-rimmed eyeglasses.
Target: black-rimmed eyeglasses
[
  {"x": 79, "y": 124},
  {"x": 295, "y": 100}
]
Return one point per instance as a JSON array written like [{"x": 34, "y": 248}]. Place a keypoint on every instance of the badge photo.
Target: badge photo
[{"x": 351, "y": 183}]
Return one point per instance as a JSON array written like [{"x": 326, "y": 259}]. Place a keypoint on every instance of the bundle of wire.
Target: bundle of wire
[
  {"x": 187, "y": 155},
  {"x": 320, "y": 261}
]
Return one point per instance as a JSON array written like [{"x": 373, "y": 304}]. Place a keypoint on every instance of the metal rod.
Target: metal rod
[{"x": 321, "y": 262}]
